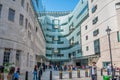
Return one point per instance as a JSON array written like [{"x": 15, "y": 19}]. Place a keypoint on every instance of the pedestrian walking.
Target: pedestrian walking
[
  {"x": 35, "y": 77},
  {"x": 109, "y": 71},
  {"x": 93, "y": 71},
  {"x": 17, "y": 74},
  {"x": 1, "y": 72},
  {"x": 10, "y": 75}
]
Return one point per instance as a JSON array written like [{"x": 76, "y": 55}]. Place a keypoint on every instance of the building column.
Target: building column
[
  {"x": 1, "y": 56},
  {"x": 22, "y": 62},
  {"x": 13, "y": 56}
]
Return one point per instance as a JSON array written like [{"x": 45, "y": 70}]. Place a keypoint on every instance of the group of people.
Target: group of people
[
  {"x": 63, "y": 67},
  {"x": 12, "y": 74}
]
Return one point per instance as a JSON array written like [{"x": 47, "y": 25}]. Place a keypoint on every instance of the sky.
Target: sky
[{"x": 60, "y": 5}]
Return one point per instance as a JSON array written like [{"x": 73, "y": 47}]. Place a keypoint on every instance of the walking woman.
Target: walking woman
[
  {"x": 10, "y": 75},
  {"x": 35, "y": 73}
]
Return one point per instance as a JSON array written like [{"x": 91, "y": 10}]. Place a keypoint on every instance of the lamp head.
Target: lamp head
[{"x": 108, "y": 30}]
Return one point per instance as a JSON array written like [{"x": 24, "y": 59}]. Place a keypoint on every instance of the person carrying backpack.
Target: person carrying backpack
[{"x": 16, "y": 75}]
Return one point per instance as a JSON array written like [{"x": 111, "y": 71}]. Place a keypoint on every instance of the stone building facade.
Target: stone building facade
[
  {"x": 21, "y": 37},
  {"x": 102, "y": 13}
]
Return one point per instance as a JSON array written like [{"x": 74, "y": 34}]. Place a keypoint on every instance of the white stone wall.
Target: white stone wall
[
  {"x": 15, "y": 37},
  {"x": 107, "y": 16}
]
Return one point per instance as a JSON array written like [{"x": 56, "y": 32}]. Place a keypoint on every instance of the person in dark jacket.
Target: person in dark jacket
[
  {"x": 93, "y": 71},
  {"x": 1, "y": 72}
]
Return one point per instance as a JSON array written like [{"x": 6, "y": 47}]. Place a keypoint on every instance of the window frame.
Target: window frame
[
  {"x": 0, "y": 10},
  {"x": 118, "y": 36},
  {"x": 11, "y": 15},
  {"x": 21, "y": 19},
  {"x": 22, "y": 3}
]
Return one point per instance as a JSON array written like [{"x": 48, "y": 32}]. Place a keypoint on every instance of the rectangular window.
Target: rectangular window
[
  {"x": 86, "y": 37},
  {"x": 118, "y": 36},
  {"x": 96, "y": 32},
  {"x": 36, "y": 29},
  {"x": 82, "y": 11},
  {"x": 26, "y": 23},
  {"x": 117, "y": 5},
  {"x": 27, "y": 60},
  {"x": 105, "y": 64},
  {"x": 71, "y": 27},
  {"x": 71, "y": 41},
  {"x": 94, "y": 8},
  {"x": 11, "y": 15},
  {"x": 86, "y": 27},
  {"x": 18, "y": 57},
  {"x": 87, "y": 48},
  {"x": 29, "y": 35},
  {"x": 97, "y": 46},
  {"x": 95, "y": 20},
  {"x": 21, "y": 18},
  {"x": 22, "y": 3},
  {"x": 92, "y": 0},
  {"x": 6, "y": 56},
  {"x": 27, "y": 7},
  {"x": 78, "y": 33},
  {"x": 0, "y": 10}
]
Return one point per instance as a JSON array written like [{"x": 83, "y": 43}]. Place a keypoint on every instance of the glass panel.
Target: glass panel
[
  {"x": 97, "y": 46},
  {"x": 22, "y": 3},
  {"x": 96, "y": 32},
  {"x": 117, "y": 5},
  {"x": 95, "y": 20},
  {"x": 94, "y": 8},
  {"x": 21, "y": 19},
  {"x": 118, "y": 36},
  {"x": 6, "y": 56},
  {"x": 11, "y": 15},
  {"x": 0, "y": 9}
]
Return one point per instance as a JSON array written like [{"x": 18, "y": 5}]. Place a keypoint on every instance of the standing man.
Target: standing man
[
  {"x": 109, "y": 71},
  {"x": 93, "y": 71}
]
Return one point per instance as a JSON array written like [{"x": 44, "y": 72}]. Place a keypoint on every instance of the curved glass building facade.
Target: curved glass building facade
[
  {"x": 62, "y": 32},
  {"x": 79, "y": 37}
]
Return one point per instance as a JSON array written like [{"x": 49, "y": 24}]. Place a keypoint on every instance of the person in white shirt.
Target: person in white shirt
[{"x": 93, "y": 71}]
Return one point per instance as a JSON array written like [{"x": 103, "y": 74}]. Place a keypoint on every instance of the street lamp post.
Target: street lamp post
[{"x": 111, "y": 61}]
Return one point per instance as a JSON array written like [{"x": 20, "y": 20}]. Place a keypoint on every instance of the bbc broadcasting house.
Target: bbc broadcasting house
[{"x": 31, "y": 35}]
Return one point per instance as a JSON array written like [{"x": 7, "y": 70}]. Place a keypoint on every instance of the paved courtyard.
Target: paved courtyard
[{"x": 55, "y": 76}]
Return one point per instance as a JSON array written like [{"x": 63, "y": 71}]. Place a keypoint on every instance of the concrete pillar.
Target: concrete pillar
[
  {"x": 21, "y": 59},
  {"x": 13, "y": 56},
  {"x": 1, "y": 56}
]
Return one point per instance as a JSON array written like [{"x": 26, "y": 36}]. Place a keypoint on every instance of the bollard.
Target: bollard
[
  {"x": 86, "y": 73},
  {"x": 39, "y": 76},
  {"x": 60, "y": 74},
  {"x": 26, "y": 75},
  {"x": 70, "y": 74},
  {"x": 50, "y": 75},
  {"x": 101, "y": 71},
  {"x": 78, "y": 73}
]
